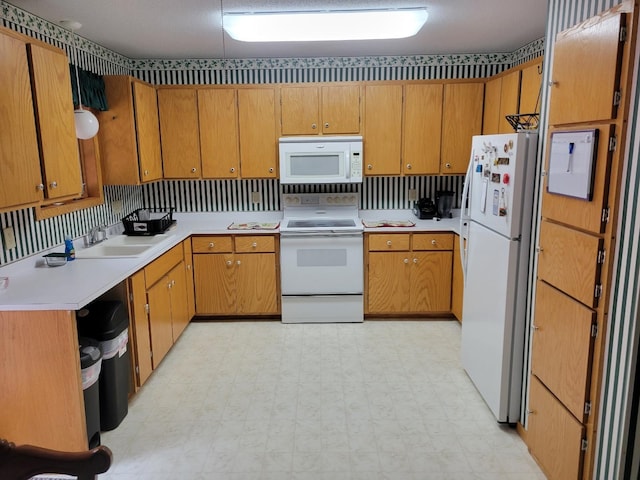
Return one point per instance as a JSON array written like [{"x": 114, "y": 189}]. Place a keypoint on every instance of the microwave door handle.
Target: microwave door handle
[{"x": 348, "y": 167}]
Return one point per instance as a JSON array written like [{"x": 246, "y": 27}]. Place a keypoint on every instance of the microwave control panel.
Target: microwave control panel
[{"x": 356, "y": 165}]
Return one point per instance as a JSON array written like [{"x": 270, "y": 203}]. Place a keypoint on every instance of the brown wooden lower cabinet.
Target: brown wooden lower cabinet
[
  {"x": 457, "y": 280},
  {"x": 409, "y": 273},
  {"x": 236, "y": 275},
  {"x": 159, "y": 307},
  {"x": 555, "y": 436}
]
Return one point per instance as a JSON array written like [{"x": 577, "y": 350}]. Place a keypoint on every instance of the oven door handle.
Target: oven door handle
[{"x": 324, "y": 234}]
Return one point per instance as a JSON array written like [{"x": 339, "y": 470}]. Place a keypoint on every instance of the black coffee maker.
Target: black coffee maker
[{"x": 444, "y": 203}]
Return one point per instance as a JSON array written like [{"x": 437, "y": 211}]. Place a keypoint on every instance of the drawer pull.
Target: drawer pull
[
  {"x": 389, "y": 242},
  {"x": 211, "y": 245},
  {"x": 254, "y": 244},
  {"x": 433, "y": 242}
]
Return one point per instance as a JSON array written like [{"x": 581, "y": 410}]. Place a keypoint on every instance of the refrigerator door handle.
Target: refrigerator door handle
[{"x": 464, "y": 219}]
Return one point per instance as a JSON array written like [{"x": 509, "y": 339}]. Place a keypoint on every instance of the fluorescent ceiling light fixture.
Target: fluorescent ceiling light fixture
[{"x": 316, "y": 26}]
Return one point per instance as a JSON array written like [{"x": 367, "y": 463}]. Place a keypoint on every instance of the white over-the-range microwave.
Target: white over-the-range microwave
[{"x": 321, "y": 159}]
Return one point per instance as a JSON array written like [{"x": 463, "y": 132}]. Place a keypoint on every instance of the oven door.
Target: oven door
[{"x": 321, "y": 264}]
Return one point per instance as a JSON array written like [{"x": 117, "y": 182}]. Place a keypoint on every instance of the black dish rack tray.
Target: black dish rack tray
[{"x": 148, "y": 221}]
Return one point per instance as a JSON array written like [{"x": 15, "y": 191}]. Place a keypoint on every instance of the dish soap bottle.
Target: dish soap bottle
[{"x": 69, "y": 249}]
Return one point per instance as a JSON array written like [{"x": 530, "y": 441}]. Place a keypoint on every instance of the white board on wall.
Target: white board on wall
[{"x": 572, "y": 160}]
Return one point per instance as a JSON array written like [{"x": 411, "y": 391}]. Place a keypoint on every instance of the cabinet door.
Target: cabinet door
[
  {"x": 509, "y": 100},
  {"x": 56, "y": 125},
  {"x": 140, "y": 336},
  {"x": 461, "y": 120},
  {"x": 218, "y": 114},
  {"x": 382, "y": 129},
  {"x": 340, "y": 109},
  {"x": 457, "y": 281},
  {"x": 530, "y": 88},
  {"x": 555, "y": 436},
  {"x": 148, "y": 131},
  {"x": 160, "y": 323},
  {"x": 388, "y": 282},
  {"x": 491, "y": 115},
  {"x": 422, "y": 129},
  {"x": 595, "y": 51},
  {"x": 579, "y": 213},
  {"x": 430, "y": 283},
  {"x": 188, "y": 260},
  {"x": 256, "y": 283},
  {"x": 299, "y": 110},
  {"x": 19, "y": 155},
  {"x": 179, "y": 300},
  {"x": 214, "y": 277},
  {"x": 568, "y": 260},
  {"x": 178, "y": 112},
  {"x": 562, "y": 347},
  {"x": 258, "y": 141}
]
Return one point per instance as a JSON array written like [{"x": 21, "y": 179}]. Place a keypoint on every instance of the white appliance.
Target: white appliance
[
  {"x": 321, "y": 258},
  {"x": 320, "y": 159},
  {"x": 496, "y": 223}
]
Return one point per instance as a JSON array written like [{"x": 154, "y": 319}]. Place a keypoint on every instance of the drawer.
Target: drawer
[
  {"x": 433, "y": 241},
  {"x": 389, "y": 242},
  {"x": 255, "y": 243},
  {"x": 212, "y": 244},
  {"x": 161, "y": 265}
]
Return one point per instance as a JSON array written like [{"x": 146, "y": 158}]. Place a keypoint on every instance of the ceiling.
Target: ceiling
[{"x": 170, "y": 29}]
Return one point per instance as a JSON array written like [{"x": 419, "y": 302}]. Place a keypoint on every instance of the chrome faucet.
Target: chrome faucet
[{"x": 97, "y": 234}]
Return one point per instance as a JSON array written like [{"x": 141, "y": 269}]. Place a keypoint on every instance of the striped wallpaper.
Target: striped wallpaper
[
  {"x": 220, "y": 195},
  {"x": 622, "y": 334}
]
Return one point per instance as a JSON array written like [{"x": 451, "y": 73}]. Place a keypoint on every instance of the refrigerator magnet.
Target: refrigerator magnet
[{"x": 496, "y": 202}]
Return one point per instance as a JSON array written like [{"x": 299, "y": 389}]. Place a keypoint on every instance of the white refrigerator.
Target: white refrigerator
[{"x": 496, "y": 224}]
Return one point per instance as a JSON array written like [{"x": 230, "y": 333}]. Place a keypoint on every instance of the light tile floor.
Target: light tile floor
[{"x": 264, "y": 400}]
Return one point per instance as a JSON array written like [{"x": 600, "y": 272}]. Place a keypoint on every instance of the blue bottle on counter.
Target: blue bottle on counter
[{"x": 69, "y": 248}]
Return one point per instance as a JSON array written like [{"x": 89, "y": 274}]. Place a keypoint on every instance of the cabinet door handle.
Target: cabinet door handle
[
  {"x": 173, "y": 283},
  {"x": 314, "y": 126},
  {"x": 406, "y": 260},
  {"x": 369, "y": 167},
  {"x": 271, "y": 170},
  {"x": 40, "y": 186},
  {"x": 193, "y": 170},
  {"x": 53, "y": 184},
  {"x": 408, "y": 166},
  {"x": 229, "y": 262},
  {"x": 447, "y": 165},
  {"x": 389, "y": 243},
  {"x": 415, "y": 260},
  {"x": 188, "y": 267},
  {"x": 326, "y": 125},
  {"x": 169, "y": 285},
  {"x": 211, "y": 245},
  {"x": 232, "y": 170},
  {"x": 238, "y": 262}
]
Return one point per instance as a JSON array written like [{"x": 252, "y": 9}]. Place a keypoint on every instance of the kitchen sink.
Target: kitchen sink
[{"x": 107, "y": 250}]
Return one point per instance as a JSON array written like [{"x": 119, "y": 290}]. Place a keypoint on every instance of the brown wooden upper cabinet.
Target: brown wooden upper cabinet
[
  {"x": 19, "y": 155},
  {"x": 530, "y": 83},
  {"x": 257, "y": 131},
  {"x": 180, "y": 138},
  {"x": 382, "y": 129},
  {"x": 461, "y": 120},
  {"x": 219, "y": 144},
  {"x": 130, "y": 132},
  {"x": 594, "y": 96},
  {"x": 313, "y": 110},
  {"x": 421, "y": 135},
  {"x": 502, "y": 98}
]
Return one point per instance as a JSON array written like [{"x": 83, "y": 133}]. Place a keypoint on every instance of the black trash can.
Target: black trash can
[
  {"x": 90, "y": 365},
  {"x": 108, "y": 323}
]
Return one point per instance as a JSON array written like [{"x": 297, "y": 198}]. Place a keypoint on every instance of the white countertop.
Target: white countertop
[{"x": 34, "y": 286}]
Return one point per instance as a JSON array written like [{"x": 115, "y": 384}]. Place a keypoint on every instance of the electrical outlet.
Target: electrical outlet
[
  {"x": 9, "y": 238},
  {"x": 116, "y": 207},
  {"x": 413, "y": 195},
  {"x": 256, "y": 197}
]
